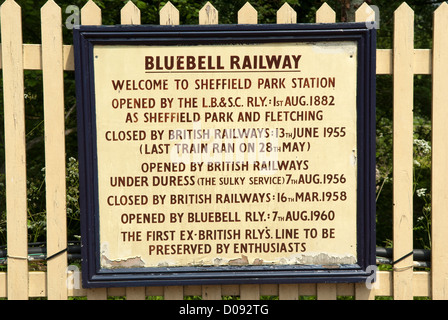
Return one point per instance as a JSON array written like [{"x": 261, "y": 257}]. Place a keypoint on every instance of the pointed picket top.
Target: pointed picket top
[
  {"x": 404, "y": 24},
  {"x": 442, "y": 8},
  {"x": 51, "y": 17},
  {"x": 130, "y": 14},
  {"x": 10, "y": 7},
  {"x": 365, "y": 14},
  {"x": 404, "y": 9},
  {"x": 50, "y": 3},
  {"x": 11, "y": 27},
  {"x": 169, "y": 15},
  {"x": 9, "y": 3},
  {"x": 325, "y": 14},
  {"x": 286, "y": 14},
  {"x": 49, "y": 9},
  {"x": 247, "y": 14},
  {"x": 91, "y": 14},
  {"x": 440, "y": 26},
  {"x": 441, "y": 13},
  {"x": 51, "y": 29},
  {"x": 208, "y": 14}
]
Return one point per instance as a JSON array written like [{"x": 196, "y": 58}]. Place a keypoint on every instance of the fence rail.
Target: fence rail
[{"x": 402, "y": 61}]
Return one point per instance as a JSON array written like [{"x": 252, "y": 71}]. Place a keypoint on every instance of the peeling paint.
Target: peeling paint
[
  {"x": 239, "y": 262},
  {"x": 326, "y": 260},
  {"x": 163, "y": 264},
  {"x": 133, "y": 262}
]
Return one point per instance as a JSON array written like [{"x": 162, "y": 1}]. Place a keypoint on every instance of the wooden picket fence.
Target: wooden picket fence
[{"x": 53, "y": 58}]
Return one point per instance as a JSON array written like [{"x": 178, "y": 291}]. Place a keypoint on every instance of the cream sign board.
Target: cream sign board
[{"x": 246, "y": 155}]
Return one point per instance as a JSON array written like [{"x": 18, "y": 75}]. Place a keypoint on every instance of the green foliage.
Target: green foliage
[
  {"x": 36, "y": 221},
  {"x": 73, "y": 209},
  {"x": 422, "y": 183}
]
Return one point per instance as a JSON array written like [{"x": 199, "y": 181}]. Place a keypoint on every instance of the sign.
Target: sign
[{"x": 226, "y": 154}]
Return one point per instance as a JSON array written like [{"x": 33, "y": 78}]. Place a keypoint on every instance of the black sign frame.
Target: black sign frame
[{"x": 86, "y": 37}]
